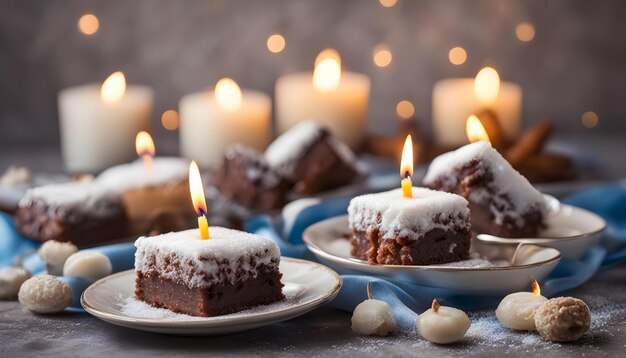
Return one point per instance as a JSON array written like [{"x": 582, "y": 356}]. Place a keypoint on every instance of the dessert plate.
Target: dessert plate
[
  {"x": 328, "y": 241},
  {"x": 571, "y": 230},
  {"x": 307, "y": 285}
]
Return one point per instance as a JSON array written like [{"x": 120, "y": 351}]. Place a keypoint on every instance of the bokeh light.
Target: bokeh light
[
  {"x": 457, "y": 55},
  {"x": 405, "y": 109},
  {"x": 276, "y": 43},
  {"x": 170, "y": 120},
  {"x": 388, "y": 3},
  {"x": 88, "y": 24},
  {"x": 382, "y": 55},
  {"x": 525, "y": 31},
  {"x": 589, "y": 119}
]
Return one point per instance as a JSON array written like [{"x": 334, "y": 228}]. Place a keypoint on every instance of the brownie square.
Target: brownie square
[
  {"x": 246, "y": 178},
  {"x": 75, "y": 212},
  {"x": 502, "y": 202},
  {"x": 311, "y": 157},
  {"x": 230, "y": 272},
  {"x": 429, "y": 228}
]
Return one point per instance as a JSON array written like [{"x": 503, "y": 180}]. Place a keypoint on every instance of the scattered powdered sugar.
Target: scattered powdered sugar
[
  {"x": 508, "y": 182},
  {"x": 408, "y": 217},
  {"x": 135, "y": 175},
  {"x": 133, "y": 307},
  {"x": 292, "y": 144},
  {"x": 183, "y": 256}
]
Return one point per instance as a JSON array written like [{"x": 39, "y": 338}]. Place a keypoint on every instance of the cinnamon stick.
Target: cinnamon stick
[{"x": 529, "y": 144}]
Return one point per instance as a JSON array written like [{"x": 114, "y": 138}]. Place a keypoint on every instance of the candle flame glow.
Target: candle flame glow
[
  {"x": 113, "y": 87},
  {"x": 327, "y": 74},
  {"x": 144, "y": 145},
  {"x": 228, "y": 94},
  {"x": 487, "y": 85},
  {"x": 406, "y": 167},
  {"x": 536, "y": 289},
  {"x": 475, "y": 130},
  {"x": 198, "y": 200}
]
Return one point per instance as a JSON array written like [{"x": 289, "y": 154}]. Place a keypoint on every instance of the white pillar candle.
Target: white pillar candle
[
  {"x": 456, "y": 99},
  {"x": 98, "y": 124},
  {"x": 442, "y": 325},
  {"x": 211, "y": 121},
  {"x": 517, "y": 310},
  {"x": 337, "y": 99}
]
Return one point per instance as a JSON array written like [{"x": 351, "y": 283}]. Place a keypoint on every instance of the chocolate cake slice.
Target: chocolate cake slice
[
  {"x": 77, "y": 212},
  {"x": 230, "y": 272},
  {"x": 311, "y": 157},
  {"x": 246, "y": 177},
  {"x": 502, "y": 202},
  {"x": 432, "y": 227}
]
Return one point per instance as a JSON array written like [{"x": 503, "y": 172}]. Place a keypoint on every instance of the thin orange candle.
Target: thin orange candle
[
  {"x": 406, "y": 168},
  {"x": 197, "y": 198}
]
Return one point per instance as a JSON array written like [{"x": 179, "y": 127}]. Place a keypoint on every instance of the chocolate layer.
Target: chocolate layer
[
  {"x": 437, "y": 246},
  {"x": 215, "y": 300}
]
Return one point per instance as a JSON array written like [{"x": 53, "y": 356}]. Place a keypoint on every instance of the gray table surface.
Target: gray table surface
[{"x": 325, "y": 331}]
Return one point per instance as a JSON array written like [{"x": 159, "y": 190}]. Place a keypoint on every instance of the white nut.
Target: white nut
[
  {"x": 45, "y": 294},
  {"x": 11, "y": 278},
  {"x": 87, "y": 264},
  {"x": 54, "y": 254},
  {"x": 373, "y": 317}
]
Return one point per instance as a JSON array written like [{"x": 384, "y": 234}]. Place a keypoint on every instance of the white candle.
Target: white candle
[
  {"x": 456, "y": 99},
  {"x": 98, "y": 124},
  {"x": 517, "y": 310},
  {"x": 211, "y": 121},
  {"x": 373, "y": 317},
  {"x": 337, "y": 99},
  {"x": 442, "y": 325}
]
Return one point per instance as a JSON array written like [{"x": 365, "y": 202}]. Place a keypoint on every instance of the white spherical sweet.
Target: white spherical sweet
[
  {"x": 45, "y": 294},
  {"x": 88, "y": 264},
  {"x": 442, "y": 326},
  {"x": 517, "y": 310},
  {"x": 11, "y": 279},
  {"x": 54, "y": 254},
  {"x": 373, "y": 317}
]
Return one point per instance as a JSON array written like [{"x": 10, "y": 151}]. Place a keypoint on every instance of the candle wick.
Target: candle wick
[
  {"x": 435, "y": 306},
  {"x": 369, "y": 290}
]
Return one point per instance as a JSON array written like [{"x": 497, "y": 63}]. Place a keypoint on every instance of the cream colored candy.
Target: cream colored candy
[
  {"x": 87, "y": 264},
  {"x": 442, "y": 325},
  {"x": 11, "y": 278},
  {"x": 373, "y": 317},
  {"x": 517, "y": 310},
  {"x": 563, "y": 319},
  {"x": 45, "y": 294},
  {"x": 54, "y": 254}
]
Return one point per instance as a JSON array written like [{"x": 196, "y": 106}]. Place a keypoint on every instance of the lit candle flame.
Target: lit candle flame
[
  {"x": 475, "y": 130},
  {"x": 487, "y": 85},
  {"x": 228, "y": 94},
  {"x": 113, "y": 87},
  {"x": 327, "y": 74},
  {"x": 197, "y": 198},
  {"x": 536, "y": 289},
  {"x": 144, "y": 145},
  {"x": 406, "y": 168}
]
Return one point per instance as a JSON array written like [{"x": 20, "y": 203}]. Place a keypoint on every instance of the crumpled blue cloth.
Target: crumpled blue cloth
[{"x": 406, "y": 299}]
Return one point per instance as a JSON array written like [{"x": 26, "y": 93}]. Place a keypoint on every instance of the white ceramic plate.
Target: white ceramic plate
[
  {"x": 307, "y": 286},
  {"x": 571, "y": 230},
  {"x": 327, "y": 240}
]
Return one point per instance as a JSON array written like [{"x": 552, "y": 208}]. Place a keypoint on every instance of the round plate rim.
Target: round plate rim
[
  {"x": 361, "y": 263},
  {"x": 115, "y": 318}
]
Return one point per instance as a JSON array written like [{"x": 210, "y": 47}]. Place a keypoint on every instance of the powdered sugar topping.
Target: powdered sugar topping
[
  {"x": 229, "y": 255},
  {"x": 410, "y": 218},
  {"x": 135, "y": 175},
  {"x": 292, "y": 144}
]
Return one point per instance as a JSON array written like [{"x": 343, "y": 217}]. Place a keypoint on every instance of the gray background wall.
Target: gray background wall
[{"x": 576, "y": 63}]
